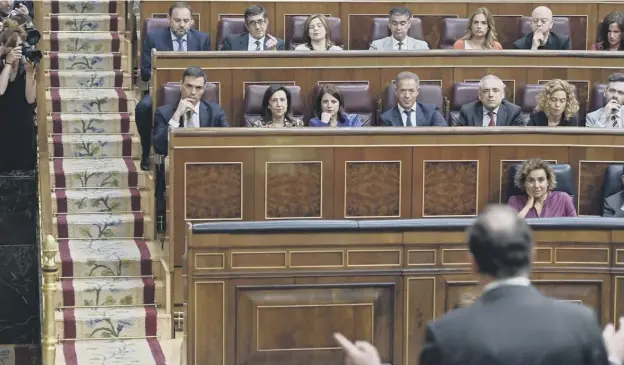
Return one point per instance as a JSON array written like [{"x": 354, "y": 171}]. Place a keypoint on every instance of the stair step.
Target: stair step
[
  {"x": 100, "y": 201},
  {"x": 84, "y": 22},
  {"x": 81, "y": 6},
  {"x": 88, "y": 79},
  {"x": 94, "y": 146},
  {"x": 86, "y": 61},
  {"x": 115, "y": 100},
  {"x": 110, "y": 292},
  {"x": 96, "y": 123},
  {"x": 98, "y": 173},
  {"x": 110, "y": 258},
  {"x": 102, "y": 226},
  {"x": 83, "y": 42},
  {"x": 120, "y": 351},
  {"x": 111, "y": 322}
]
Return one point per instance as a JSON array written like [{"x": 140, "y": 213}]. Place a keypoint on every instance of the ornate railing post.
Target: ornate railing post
[{"x": 50, "y": 275}]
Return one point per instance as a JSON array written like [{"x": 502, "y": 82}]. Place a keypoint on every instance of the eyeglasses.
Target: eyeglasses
[
  {"x": 540, "y": 20},
  {"x": 255, "y": 23}
]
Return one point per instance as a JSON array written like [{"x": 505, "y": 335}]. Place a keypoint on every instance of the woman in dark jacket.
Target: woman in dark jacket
[{"x": 556, "y": 106}]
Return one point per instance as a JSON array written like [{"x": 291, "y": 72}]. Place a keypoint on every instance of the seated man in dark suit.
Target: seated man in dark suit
[
  {"x": 614, "y": 204},
  {"x": 542, "y": 37},
  {"x": 491, "y": 110},
  {"x": 256, "y": 38},
  {"x": 190, "y": 112},
  {"x": 179, "y": 37},
  {"x": 409, "y": 112}
]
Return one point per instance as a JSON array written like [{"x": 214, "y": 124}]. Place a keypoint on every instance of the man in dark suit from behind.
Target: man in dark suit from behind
[
  {"x": 178, "y": 37},
  {"x": 614, "y": 204},
  {"x": 256, "y": 37},
  {"x": 512, "y": 323},
  {"x": 491, "y": 110},
  {"x": 409, "y": 112}
]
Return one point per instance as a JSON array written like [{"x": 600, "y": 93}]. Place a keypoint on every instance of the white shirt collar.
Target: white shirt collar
[
  {"x": 485, "y": 110},
  {"x": 395, "y": 43},
  {"x": 196, "y": 110},
  {"x": 402, "y": 110},
  {"x": 516, "y": 281},
  {"x": 252, "y": 42},
  {"x": 175, "y": 39}
]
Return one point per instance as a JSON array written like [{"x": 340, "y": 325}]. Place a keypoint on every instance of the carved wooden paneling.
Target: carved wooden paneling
[
  {"x": 618, "y": 303},
  {"x": 293, "y": 325},
  {"x": 450, "y": 188},
  {"x": 373, "y": 189},
  {"x": 294, "y": 189},
  {"x": 507, "y": 28},
  {"x": 587, "y": 292},
  {"x": 359, "y": 29},
  {"x": 578, "y": 31},
  {"x": 460, "y": 293},
  {"x": 420, "y": 304},
  {"x": 590, "y": 187},
  {"x": 208, "y": 306},
  {"x": 214, "y": 191},
  {"x": 582, "y": 255},
  {"x": 374, "y": 257},
  {"x": 432, "y": 27}
]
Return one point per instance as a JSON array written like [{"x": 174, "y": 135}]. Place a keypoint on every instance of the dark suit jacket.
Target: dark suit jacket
[
  {"x": 509, "y": 114},
  {"x": 210, "y": 115},
  {"x": 540, "y": 119},
  {"x": 240, "y": 42},
  {"x": 427, "y": 115},
  {"x": 515, "y": 325},
  {"x": 555, "y": 42},
  {"x": 160, "y": 40},
  {"x": 613, "y": 205}
]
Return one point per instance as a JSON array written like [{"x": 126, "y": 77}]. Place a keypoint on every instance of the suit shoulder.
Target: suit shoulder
[
  {"x": 199, "y": 34},
  {"x": 211, "y": 105},
  {"x": 469, "y": 106},
  {"x": 453, "y": 319},
  {"x": 388, "y": 113},
  {"x": 510, "y": 105},
  {"x": 427, "y": 106},
  {"x": 166, "y": 111}
]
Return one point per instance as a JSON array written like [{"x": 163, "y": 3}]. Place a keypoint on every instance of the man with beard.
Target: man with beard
[{"x": 612, "y": 114}]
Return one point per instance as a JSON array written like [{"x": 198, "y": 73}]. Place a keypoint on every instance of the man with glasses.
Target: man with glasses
[
  {"x": 541, "y": 37},
  {"x": 256, "y": 37},
  {"x": 612, "y": 114},
  {"x": 399, "y": 22}
]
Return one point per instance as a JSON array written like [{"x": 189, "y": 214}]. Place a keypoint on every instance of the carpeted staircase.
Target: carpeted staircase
[{"x": 111, "y": 295}]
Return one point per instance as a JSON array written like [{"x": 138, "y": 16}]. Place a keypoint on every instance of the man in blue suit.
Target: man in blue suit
[
  {"x": 409, "y": 112},
  {"x": 256, "y": 37},
  {"x": 178, "y": 37}
]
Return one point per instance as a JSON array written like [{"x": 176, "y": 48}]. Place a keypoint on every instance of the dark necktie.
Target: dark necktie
[
  {"x": 408, "y": 114},
  {"x": 400, "y": 45},
  {"x": 615, "y": 121},
  {"x": 180, "y": 42},
  {"x": 258, "y": 46},
  {"x": 492, "y": 120}
]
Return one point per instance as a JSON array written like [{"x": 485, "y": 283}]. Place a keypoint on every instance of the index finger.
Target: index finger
[
  {"x": 347, "y": 345},
  {"x": 271, "y": 37}
]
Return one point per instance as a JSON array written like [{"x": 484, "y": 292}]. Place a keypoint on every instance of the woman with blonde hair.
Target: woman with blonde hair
[
  {"x": 537, "y": 179},
  {"x": 556, "y": 106},
  {"x": 318, "y": 35},
  {"x": 481, "y": 32}
]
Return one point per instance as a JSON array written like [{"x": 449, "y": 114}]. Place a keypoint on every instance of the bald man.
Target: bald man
[
  {"x": 491, "y": 110},
  {"x": 511, "y": 323},
  {"x": 541, "y": 37}
]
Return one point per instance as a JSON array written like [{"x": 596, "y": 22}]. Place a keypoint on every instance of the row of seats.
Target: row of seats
[
  {"x": 611, "y": 183},
  {"x": 358, "y": 99},
  {"x": 452, "y": 29}
]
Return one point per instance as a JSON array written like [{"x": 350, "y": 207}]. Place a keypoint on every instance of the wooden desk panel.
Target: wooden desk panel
[
  {"x": 233, "y": 71},
  {"x": 357, "y": 16},
  {"x": 374, "y": 285},
  {"x": 251, "y": 175}
]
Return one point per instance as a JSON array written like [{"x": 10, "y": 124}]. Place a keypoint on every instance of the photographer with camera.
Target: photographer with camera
[{"x": 18, "y": 94}]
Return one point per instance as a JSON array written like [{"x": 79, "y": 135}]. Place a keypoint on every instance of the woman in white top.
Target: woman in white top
[{"x": 318, "y": 37}]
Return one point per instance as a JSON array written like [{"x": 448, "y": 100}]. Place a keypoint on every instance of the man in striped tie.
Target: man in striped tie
[{"x": 612, "y": 114}]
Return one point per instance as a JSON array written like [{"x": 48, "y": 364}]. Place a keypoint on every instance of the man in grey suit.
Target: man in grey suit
[
  {"x": 399, "y": 22},
  {"x": 614, "y": 205},
  {"x": 256, "y": 37},
  {"x": 491, "y": 110},
  {"x": 612, "y": 114}
]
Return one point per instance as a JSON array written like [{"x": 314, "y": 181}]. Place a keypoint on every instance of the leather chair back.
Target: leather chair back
[
  {"x": 296, "y": 32},
  {"x": 152, "y": 24},
  {"x": 597, "y": 98},
  {"x": 612, "y": 182},
  {"x": 561, "y": 26},
  {"x": 379, "y": 29},
  {"x": 252, "y": 104},
  {"x": 563, "y": 173},
  {"x": 452, "y": 29},
  {"x": 463, "y": 93},
  {"x": 357, "y": 99},
  {"x": 169, "y": 93},
  {"x": 429, "y": 94}
]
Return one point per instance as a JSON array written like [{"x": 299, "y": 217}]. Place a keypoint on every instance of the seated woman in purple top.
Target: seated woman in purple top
[
  {"x": 329, "y": 110},
  {"x": 538, "y": 180}
]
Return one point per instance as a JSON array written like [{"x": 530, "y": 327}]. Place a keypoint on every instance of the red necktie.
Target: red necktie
[{"x": 492, "y": 120}]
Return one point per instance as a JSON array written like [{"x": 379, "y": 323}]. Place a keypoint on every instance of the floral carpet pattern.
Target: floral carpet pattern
[{"x": 111, "y": 295}]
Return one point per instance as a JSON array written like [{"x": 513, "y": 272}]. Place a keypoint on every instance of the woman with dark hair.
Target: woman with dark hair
[
  {"x": 537, "y": 179},
  {"x": 481, "y": 32},
  {"x": 276, "y": 109},
  {"x": 329, "y": 110},
  {"x": 18, "y": 94},
  {"x": 556, "y": 106},
  {"x": 611, "y": 33},
  {"x": 318, "y": 35}
]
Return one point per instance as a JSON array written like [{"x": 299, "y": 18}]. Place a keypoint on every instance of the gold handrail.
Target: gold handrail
[{"x": 50, "y": 270}]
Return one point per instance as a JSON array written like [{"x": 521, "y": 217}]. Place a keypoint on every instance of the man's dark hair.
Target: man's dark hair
[
  {"x": 255, "y": 10},
  {"x": 501, "y": 243},
  {"x": 180, "y": 5},
  {"x": 616, "y": 77},
  {"x": 193, "y": 72},
  {"x": 399, "y": 12}
]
